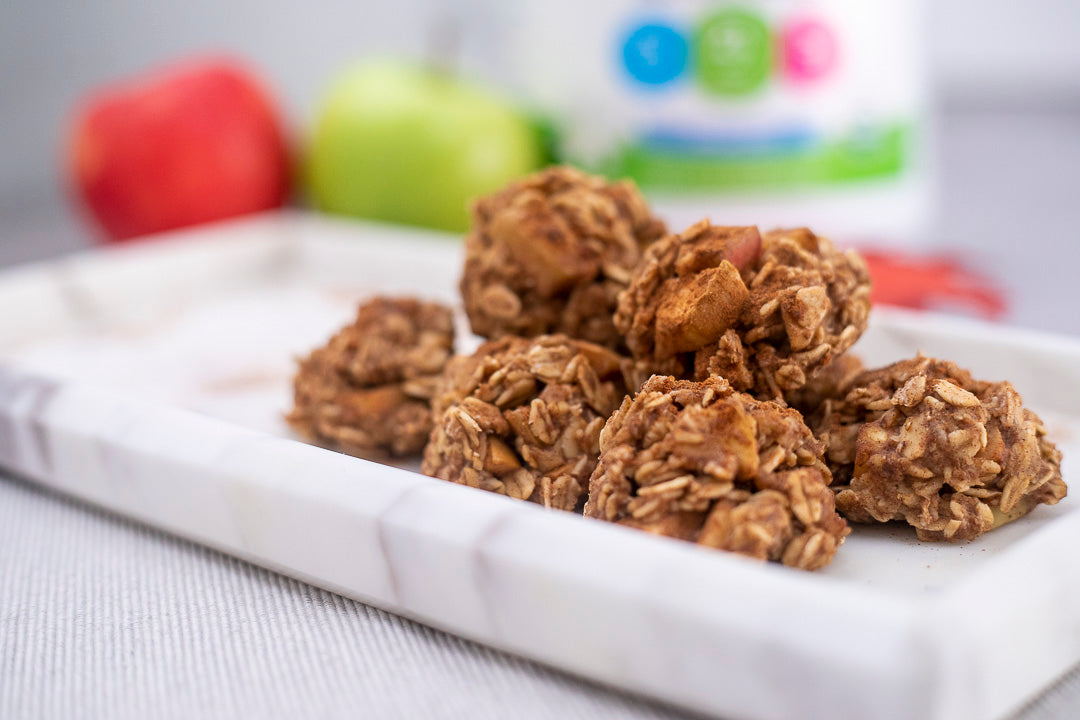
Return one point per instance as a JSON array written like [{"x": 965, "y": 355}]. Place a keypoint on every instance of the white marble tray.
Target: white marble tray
[{"x": 151, "y": 380}]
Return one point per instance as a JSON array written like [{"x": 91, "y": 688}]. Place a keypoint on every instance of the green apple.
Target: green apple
[{"x": 403, "y": 144}]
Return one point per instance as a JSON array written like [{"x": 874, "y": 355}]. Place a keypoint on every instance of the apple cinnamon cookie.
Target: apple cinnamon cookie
[
  {"x": 827, "y": 384},
  {"x": 550, "y": 253},
  {"x": 765, "y": 312},
  {"x": 522, "y": 417},
  {"x": 368, "y": 390},
  {"x": 923, "y": 442},
  {"x": 702, "y": 462}
]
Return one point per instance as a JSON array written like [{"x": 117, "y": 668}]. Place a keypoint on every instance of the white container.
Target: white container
[{"x": 775, "y": 112}]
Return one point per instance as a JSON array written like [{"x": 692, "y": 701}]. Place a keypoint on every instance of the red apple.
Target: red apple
[{"x": 189, "y": 144}]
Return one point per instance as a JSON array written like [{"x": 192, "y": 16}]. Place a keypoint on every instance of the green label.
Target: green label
[
  {"x": 732, "y": 52},
  {"x": 862, "y": 155}
]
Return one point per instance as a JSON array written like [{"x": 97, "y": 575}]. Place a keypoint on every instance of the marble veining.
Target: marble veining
[
  {"x": 436, "y": 579},
  {"x": 22, "y": 437}
]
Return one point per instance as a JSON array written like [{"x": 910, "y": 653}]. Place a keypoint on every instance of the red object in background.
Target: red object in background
[
  {"x": 931, "y": 282},
  {"x": 189, "y": 144}
]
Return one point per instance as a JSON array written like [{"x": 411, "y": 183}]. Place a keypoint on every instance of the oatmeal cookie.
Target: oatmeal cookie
[
  {"x": 831, "y": 381},
  {"x": 550, "y": 253},
  {"x": 765, "y": 312},
  {"x": 922, "y": 441},
  {"x": 522, "y": 417},
  {"x": 702, "y": 462},
  {"x": 368, "y": 390}
]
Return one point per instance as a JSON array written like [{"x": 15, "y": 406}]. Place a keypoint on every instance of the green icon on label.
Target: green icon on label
[{"x": 732, "y": 52}]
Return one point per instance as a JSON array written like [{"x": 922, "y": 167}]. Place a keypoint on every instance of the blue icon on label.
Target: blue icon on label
[{"x": 655, "y": 54}]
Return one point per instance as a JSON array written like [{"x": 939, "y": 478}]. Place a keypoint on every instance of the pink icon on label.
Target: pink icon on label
[{"x": 809, "y": 50}]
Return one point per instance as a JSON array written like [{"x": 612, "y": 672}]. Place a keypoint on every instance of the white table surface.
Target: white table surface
[{"x": 100, "y": 617}]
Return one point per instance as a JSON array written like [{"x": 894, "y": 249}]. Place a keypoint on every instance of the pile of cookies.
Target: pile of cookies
[{"x": 695, "y": 385}]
